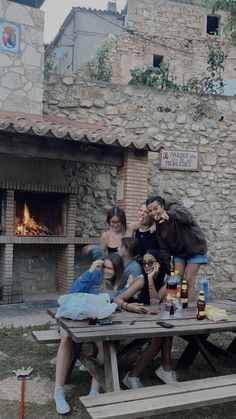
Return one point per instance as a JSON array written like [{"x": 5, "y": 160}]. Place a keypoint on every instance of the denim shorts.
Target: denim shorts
[{"x": 194, "y": 259}]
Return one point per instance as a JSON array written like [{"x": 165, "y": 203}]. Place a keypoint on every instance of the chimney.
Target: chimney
[{"x": 111, "y": 6}]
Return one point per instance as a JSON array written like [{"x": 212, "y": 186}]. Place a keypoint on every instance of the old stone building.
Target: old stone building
[
  {"x": 79, "y": 36},
  {"x": 63, "y": 164},
  {"x": 151, "y": 32},
  {"x": 58, "y": 176},
  {"x": 168, "y": 30},
  {"x": 21, "y": 61},
  {"x": 174, "y": 121}
]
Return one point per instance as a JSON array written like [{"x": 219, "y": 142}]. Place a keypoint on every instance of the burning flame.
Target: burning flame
[
  {"x": 27, "y": 220},
  {"x": 27, "y": 226}
]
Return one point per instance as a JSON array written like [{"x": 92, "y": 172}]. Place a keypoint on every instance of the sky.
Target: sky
[{"x": 57, "y": 10}]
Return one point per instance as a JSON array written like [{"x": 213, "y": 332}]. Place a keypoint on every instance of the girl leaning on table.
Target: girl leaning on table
[
  {"x": 103, "y": 276},
  {"x": 155, "y": 274}
]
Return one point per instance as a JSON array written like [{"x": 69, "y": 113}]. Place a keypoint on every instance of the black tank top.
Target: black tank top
[
  {"x": 112, "y": 249},
  {"x": 146, "y": 241}
]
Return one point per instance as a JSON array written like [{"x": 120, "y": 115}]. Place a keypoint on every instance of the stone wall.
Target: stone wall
[
  {"x": 206, "y": 124},
  {"x": 173, "y": 29},
  {"x": 21, "y": 74},
  {"x": 96, "y": 194}
]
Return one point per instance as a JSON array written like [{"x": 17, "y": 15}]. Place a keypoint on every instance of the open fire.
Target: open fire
[{"x": 27, "y": 226}]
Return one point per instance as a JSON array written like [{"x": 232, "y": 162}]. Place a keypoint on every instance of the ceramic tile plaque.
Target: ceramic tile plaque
[
  {"x": 186, "y": 160},
  {"x": 9, "y": 37}
]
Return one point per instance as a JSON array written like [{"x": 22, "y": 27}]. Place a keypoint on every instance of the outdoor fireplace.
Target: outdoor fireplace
[
  {"x": 37, "y": 239},
  {"x": 40, "y": 214}
]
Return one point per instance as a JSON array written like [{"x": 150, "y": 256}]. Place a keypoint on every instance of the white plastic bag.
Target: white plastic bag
[{"x": 79, "y": 306}]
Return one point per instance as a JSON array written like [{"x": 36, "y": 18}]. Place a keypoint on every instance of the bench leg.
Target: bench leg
[
  {"x": 202, "y": 347},
  {"x": 195, "y": 344},
  {"x": 189, "y": 353},
  {"x": 111, "y": 367},
  {"x": 77, "y": 351},
  {"x": 232, "y": 347}
]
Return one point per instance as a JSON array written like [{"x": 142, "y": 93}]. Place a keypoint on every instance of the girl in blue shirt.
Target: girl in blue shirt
[{"x": 103, "y": 276}]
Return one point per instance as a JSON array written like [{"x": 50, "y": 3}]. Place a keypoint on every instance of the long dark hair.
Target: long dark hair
[
  {"x": 118, "y": 267},
  {"x": 119, "y": 213},
  {"x": 163, "y": 270},
  {"x": 131, "y": 246}
]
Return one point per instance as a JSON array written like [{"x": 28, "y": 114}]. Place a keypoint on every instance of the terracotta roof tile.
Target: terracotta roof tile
[{"x": 81, "y": 131}]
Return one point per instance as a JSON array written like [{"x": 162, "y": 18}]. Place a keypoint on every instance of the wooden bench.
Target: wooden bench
[
  {"x": 46, "y": 336},
  {"x": 160, "y": 399}
]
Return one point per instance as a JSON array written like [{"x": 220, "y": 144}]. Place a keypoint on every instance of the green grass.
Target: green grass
[{"x": 23, "y": 351}]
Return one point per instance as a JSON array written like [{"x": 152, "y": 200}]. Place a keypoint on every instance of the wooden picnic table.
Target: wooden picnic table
[{"x": 135, "y": 327}]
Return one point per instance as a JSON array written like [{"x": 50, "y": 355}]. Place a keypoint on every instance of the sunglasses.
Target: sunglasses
[{"x": 150, "y": 263}]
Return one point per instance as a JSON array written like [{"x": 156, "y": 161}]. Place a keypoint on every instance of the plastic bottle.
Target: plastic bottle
[
  {"x": 184, "y": 294},
  {"x": 201, "y": 313},
  {"x": 202, "y": 285}
]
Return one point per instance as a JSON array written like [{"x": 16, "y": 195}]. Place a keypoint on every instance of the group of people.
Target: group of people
[{"x": 131, "y": 264}]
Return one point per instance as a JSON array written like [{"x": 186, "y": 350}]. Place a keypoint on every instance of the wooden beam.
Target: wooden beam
[{"x": 23, "y": 145}]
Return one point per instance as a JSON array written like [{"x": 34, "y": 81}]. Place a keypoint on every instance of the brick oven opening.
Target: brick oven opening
[{"x": 40, "y": 214}]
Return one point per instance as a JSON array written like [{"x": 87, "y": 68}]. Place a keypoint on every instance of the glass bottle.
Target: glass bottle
[
  {"x": 201, "y": 313},
  {"x": 184, "y": 294},
  {"x": 202, "y": 285}
]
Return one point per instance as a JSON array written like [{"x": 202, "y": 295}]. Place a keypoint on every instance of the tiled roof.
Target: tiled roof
[{"x": 63, "y": 128}]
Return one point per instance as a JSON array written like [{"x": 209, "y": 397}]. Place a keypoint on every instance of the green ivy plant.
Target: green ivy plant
[
  {"x": 100, "y": 68},
  {"x": 159, "y": 77},
  {"x": 210, "y": 82}
]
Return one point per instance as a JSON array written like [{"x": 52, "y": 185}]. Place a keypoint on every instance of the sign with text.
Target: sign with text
[{"x": 186, "y": 160}]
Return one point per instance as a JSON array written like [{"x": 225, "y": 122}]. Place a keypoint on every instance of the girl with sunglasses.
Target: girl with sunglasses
[{"x": 155, "y": 275}]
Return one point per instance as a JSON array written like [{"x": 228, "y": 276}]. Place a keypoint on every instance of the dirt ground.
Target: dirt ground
[{"x": 17, "y": 349}]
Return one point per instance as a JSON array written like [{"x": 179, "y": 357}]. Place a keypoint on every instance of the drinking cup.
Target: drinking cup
[{"x": 165, "y": 310}]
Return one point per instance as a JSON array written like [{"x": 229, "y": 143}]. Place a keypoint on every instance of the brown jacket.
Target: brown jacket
[{"x": 180, "y": 235}]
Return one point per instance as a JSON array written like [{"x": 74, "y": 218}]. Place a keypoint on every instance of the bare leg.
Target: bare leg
[
  {"x": 64, "y": 358},
  {"x": 154, "y": 346},
  {"x": 100, "y": 359},
  {"x": 166, "y": 353},
  {"x": 180, "y": 267},
  {"x": 190, "y": 274}
]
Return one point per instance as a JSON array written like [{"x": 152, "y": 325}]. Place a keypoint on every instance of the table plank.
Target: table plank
[{"x": 149, "y": 329}]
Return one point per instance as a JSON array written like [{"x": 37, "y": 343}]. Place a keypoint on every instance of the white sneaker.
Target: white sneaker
[
  {"x": 168, "y": 377},
  {"x": 62, "y": 407},
  {"x": 93, "y": 392},
  {"x": 132, "y": 382},
  {"x": 82, "y": 368}
]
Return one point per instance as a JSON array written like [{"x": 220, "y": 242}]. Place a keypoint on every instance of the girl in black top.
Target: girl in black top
[
  {"x": 146, "y": 231},
  {"x": 155, "y": 273}
]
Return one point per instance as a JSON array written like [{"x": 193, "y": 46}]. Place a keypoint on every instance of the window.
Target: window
[
  {"x": 157, "y": 60},
  {"x": 213, "y": 25}
]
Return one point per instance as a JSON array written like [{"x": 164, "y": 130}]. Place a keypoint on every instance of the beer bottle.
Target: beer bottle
[
  {"x": 201, "y": 313},
  {"x": 184, "y": 294},
  {"x": 178, "y": 284}
]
